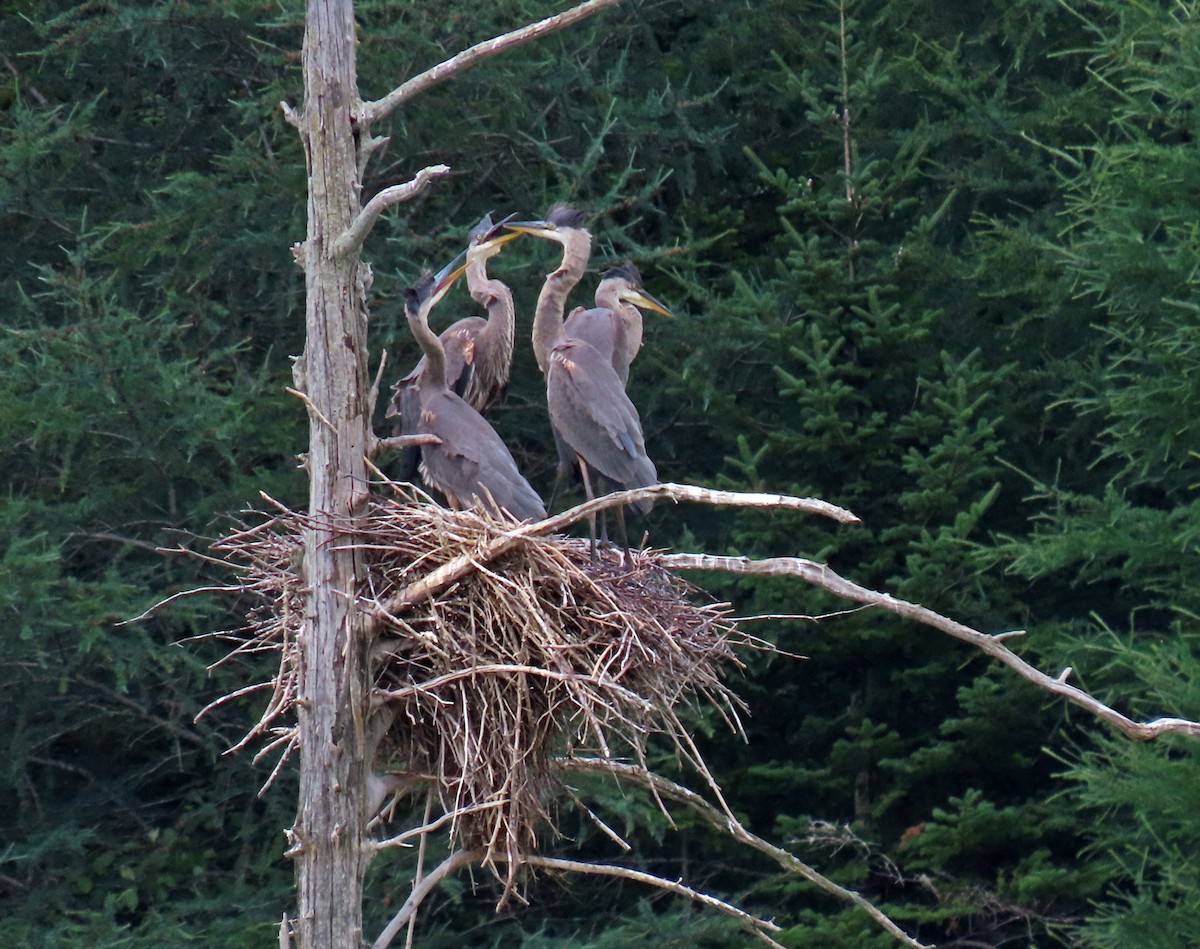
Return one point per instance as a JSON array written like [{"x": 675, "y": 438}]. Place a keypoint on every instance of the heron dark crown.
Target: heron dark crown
[
  {"x": 482, "y": 229},
  {"x": 564, "y": 215},
  {"x": 624, "y": 271}
]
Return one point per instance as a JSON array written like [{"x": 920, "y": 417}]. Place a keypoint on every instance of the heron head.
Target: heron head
[
  {"x": 628, "y": 285},
  {"x": 431, "y": 287},
  {"x": 557, "y": 225},
  {"x": 487, "y": 237}
]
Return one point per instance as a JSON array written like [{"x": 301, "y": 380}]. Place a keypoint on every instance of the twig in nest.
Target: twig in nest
[{"x": 527, "y": 655}]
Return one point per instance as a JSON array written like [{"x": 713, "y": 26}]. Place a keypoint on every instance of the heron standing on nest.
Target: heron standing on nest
[
  {"x": 471, "y": 466},
  {"x": 614, "y": 325},
  {"x": 478, "y": 352},
  {"x": 586, "y": 399}
]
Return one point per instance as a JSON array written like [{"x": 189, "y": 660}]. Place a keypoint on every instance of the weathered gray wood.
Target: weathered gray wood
[
  {"x": 329, "y": 837},
  {"x": 330, "y": 824}
]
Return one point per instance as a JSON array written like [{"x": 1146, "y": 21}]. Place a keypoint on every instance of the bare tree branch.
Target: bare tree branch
[
  {"x": 759, "y": 927},
  {"x": 821, "y": 576},
  {"x": 352, "y": 238},
  {"x": 397, "y": 442},
  {"x": 420, "y": 891},
  {"x": 459, "y": 567},
  {"x": 372, "y": 111},
  {"x": 373, "y": 394},
  {"x": 726, "y": 824}
]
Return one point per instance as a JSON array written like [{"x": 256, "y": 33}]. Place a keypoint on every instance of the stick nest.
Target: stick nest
[{"x": 479, "y": 684}]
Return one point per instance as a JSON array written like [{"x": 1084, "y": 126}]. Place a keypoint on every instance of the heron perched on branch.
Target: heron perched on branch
[
  {"x": 478, "y": 352},
  {"x": 471, "y": 466},
  {"x": 585, "y": 397}
]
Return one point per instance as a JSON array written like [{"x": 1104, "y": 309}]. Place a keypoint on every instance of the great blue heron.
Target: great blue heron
[
  {"x": 585, "y": 397},
  {"x": 614, "y": 325},
  {"x": 472, "y": 467},
  {"x": 478, "y": 351}
]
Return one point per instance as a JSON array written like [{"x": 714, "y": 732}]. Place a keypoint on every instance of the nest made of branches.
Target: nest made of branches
[{"x": 480, "y": 683}]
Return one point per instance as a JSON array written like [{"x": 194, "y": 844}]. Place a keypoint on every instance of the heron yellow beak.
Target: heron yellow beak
[
  {"x": 444, "y": 279},
  {"x": 536, "y": 228},
  {"x": 641, "y": 298},
  {"x": 498, "y": 236}
]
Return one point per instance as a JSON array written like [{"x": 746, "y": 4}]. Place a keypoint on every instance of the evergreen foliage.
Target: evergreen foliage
[{"x": 933, "y": 263}]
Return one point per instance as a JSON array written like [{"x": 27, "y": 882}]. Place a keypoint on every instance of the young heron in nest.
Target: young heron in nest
[
  {"x": 585, "y": 396},
  {"x": 478, "y": 352},
  {"x": 472, "y": 467},
  {"x": 614, "y": 325}
]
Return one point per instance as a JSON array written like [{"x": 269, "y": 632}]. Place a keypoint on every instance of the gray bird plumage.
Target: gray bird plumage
[
  {"x": 586, "y": 399},
  {"x": 614, "y": 325},
  {"x": 471, "y": 465},
  {"x": 478, "y": 351}
]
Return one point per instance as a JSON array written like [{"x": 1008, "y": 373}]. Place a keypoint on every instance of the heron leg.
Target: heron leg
[
  {"x": 623, "y": 536},
  {"x": 561, "y": 474},
  {"x": 587, "y": 487},
  {"x": 566, "y": 465}
]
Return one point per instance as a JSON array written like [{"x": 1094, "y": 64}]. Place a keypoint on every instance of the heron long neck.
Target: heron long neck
[
  {"x": 548, "y": 329},
  {"x": 498, "y": 299},
  {"x": 629, "y": 340},
  {"x": 433, "y": 377}
]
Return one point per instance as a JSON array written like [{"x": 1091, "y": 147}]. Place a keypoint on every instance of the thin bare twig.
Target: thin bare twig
[
  {"x": 412, "y": 920},
  {"x": 352, "y": 238},
  {"x": 430, "y": 826},
  {"x": 312, "y": 407},
  {"x": 822, "y": 576},
  {"x": 373, "y": 111},
  {"x": 726, "y": 824},
  {"x": 373, "y": 395},
  {"x": 397, "y": 442}
]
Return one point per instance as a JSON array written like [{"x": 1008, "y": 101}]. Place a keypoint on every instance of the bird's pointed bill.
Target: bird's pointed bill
[
  {"x": 496, "y": 233},
  {"x": 444, "y": 279},
  {"x": 537, "y": 228},
  {"x": 642, "y": 299}
]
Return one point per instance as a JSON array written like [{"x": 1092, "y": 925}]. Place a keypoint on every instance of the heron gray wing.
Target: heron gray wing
[
  {"x": 589, "y": 408},
  {"x": 473, "y": 464}
]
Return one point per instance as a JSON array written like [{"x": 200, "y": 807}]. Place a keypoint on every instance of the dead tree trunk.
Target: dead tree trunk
[
  {"x": 330, "y": 844},
  {"x": 329, "y": 838}
]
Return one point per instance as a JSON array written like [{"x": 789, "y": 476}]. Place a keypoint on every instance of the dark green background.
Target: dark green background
[{"x": 983, "y": 340}]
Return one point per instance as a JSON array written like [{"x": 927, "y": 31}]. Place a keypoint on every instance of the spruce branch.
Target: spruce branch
[{"x": 373, "y": 111}]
